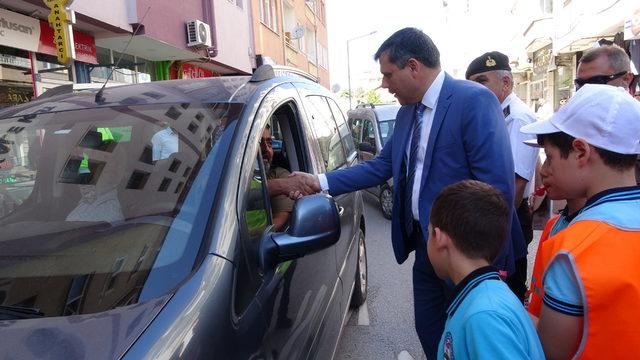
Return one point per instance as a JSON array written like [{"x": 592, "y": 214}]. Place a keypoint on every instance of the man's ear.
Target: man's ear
[
  {"x": 582, "y": 151},
  {"x": 441, "y": 238},
  {"x": 414, "y": 65}
]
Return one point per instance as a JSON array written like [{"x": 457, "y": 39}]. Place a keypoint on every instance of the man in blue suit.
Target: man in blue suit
[{"x": 447, "y": 130}]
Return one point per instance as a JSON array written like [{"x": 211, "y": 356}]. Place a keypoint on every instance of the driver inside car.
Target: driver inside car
[{"x": 281, "y": 205}]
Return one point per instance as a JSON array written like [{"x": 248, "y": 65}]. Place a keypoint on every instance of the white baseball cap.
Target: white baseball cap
[{"x": 604, "y": 116}]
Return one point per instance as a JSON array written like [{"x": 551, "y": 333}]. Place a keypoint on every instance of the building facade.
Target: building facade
[
  {"x": 128, "y": 41},
  {"x": 556, "y": 34},
  {"x": 292, "y": 33}
]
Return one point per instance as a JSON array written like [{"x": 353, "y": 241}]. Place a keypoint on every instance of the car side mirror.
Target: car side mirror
[
  {"x": 366, "y": 147},
  {"x": 314, "y": 225}
]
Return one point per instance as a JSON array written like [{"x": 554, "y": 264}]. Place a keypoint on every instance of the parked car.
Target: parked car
[
  {"x": 136, "y": 223},
  {"x": 371, "y": 126}
]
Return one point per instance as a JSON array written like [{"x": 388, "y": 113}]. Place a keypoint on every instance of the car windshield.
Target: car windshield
[
  {"x": 102, "y": 207},
  {"x": 386, "y": 130}
]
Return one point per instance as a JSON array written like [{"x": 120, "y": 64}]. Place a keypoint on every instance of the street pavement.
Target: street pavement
[{"x": 383, "y": 328}]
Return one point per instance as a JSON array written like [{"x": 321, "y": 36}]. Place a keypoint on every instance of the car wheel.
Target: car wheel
[
  {"x": 386, "y": 201},
  {"x": 360, "y": 287}
]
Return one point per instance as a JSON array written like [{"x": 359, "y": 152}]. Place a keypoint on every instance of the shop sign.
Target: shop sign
[
  {"x": 190, "y": 71},
  {"x": 15, "y": 61},
  {"x": 85, "y": 45},
  {"x": 632, "y": 26},
  {"x": 59, "y": 19},
  {"x": 19, "y": 31},
  {"x": 12, "y": 95},
  {"x": 541, "y": 60}
]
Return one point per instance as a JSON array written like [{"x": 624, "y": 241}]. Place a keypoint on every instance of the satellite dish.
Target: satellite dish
[{"x": 297, "y": 32}]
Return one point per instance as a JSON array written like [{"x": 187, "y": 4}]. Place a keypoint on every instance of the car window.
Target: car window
[
  {"x": 368, "y": 133},
  {"x": 105, "y": 201},
  {"x": 326, "y": 132},
  {"x": 386, "y": 130},
  {"x": 347, "y": 140},
  {"x": 255, "y": 220},
  {"x": 356, "y": 130}
]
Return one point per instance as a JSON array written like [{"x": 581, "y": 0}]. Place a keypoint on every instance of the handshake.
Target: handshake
[{"x": 297, "y": 185}]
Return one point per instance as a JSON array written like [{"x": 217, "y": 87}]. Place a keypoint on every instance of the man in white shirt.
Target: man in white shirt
[
  {"x": 165, "y": 143},
  {"x": 493, "y": 71}
]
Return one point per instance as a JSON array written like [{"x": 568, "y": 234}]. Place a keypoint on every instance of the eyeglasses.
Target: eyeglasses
[
  {"x": 266, "y": 142},
  {"x": 598, "y": 79}
]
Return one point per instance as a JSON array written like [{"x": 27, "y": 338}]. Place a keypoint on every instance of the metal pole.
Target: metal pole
[
  {"x": 349, "y": 74},
  {"x": 349, "y": 65},
  {"x": 34, "y": 73}
]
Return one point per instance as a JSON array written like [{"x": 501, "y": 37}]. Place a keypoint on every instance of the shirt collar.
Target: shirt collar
[
  {"x": 600, "y": 197},
  {"x": 467, "y": 284},
  {"x": 565, "y": 214},
  {"x": 430, "y": 98},
  {"x": 507, "y": 101}
]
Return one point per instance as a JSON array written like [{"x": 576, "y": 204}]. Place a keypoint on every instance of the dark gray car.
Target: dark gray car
[
  {"x": 371, "y": 126},
  {"x": 136, "y": 223}
]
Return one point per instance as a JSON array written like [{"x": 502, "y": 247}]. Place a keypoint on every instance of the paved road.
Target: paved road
[
  {"x": 389, "y": 302},
  {"x": 383, "y": 329}
]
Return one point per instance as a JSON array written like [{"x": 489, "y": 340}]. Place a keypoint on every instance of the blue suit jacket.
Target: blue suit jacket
[{"x": 468, "y": 140}]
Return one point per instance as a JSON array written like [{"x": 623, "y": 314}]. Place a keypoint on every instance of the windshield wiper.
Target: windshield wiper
[{"x": 8, "y": 312}]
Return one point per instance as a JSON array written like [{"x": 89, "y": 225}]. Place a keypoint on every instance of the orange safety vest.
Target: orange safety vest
[
  {"x": 539, "y": 265},
  {"x": 606, "y": 260}
]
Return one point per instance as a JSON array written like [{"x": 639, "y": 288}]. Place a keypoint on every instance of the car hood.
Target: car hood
[{"x": 105, "y": 335}]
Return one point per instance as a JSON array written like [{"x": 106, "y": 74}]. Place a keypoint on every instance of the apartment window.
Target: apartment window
[
  {"x": 118, "y": 265},
  {"x": 322, "y": 12},
  {"x": 546, "y": 6},
  {"x": 323, "y": 56},
  {"x": 311, "y": 4},
  {"x": 237, "y": 3},
  {"x": 289, "y": 23},
  {"x": 269, "y": 14},
  {"x": 310, "y": 45}
]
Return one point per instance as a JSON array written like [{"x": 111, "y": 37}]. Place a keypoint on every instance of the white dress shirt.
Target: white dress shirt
[
  {"x": 524, "y": 156},
  {"x": 430, "y": 100}
]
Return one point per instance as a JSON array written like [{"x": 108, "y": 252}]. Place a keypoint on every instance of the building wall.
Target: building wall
[
  {"x": 116, "y": 14},
  {"x": 282, "y": 48},
  {"x": 233, "y": 32},
  {"x": 166, "y": 19},
  {"x": 267, "y": 42}
]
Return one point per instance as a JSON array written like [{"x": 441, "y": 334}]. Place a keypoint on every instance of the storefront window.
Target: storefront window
[{"x": 126, "y": 70}]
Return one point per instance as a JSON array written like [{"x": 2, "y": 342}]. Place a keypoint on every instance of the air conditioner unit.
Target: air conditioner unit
[{"x": 198, "y": 33}]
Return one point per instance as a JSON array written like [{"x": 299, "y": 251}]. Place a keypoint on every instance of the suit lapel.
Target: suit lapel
[{"x": 444, "y": 100}]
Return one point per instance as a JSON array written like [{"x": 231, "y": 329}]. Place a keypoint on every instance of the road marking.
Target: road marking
[
  {"x": 404, "y": 355},
  {"x": 363, "y": 315}
]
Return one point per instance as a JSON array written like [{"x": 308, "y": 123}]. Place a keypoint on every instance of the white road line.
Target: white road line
[{"x": 363, "y": 315}]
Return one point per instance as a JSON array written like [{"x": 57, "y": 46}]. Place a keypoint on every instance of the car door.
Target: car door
[
  {"x": 296, "y": 296},
  {"x": 328, "y": 136}
]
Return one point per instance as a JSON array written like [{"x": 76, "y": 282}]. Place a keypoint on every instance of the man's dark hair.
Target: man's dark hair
[
  {"x": 410, "y": 43},
  {"x": 564, "y": 143},
  {"x": 476, "y": 217},
  {"x": 617, "y": 57}
]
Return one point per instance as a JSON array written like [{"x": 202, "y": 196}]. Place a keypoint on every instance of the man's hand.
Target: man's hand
[
  {"x": 303, "y": 184},
  {"x": 296, "y": 185}
]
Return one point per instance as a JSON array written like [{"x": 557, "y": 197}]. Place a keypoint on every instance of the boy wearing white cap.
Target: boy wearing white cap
[{"x": 592, "y": 283}]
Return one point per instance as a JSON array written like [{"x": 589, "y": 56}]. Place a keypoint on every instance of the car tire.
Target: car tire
[
  {"x": 386, "y": 201},
  {"x": 360, "y": 286}
]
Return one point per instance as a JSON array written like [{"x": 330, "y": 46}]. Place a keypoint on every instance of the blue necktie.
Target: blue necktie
[{"x": 413, "y": 159}]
